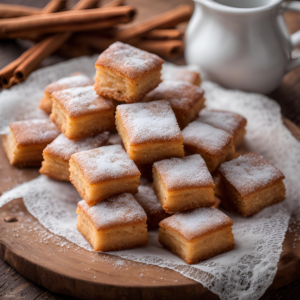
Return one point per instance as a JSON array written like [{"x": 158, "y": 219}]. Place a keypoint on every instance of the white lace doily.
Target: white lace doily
[{"x": 243, "y": 273}]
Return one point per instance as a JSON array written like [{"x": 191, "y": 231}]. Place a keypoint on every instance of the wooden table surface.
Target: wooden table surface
[{"x": 15, "y": 286}]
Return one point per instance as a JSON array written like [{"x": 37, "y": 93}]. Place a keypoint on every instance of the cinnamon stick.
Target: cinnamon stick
[
  {"x": 64, "y": 18},
  {"x": 114, "y": 3},
  {"x": 166, "y": 20},
  {"x": 42, "y": 50},
  {"x": 7, "y": 72},
  {"x": 15, "y": 11},
  {"x": 102, "y": 24},
  {"x": 54, "y": 6},
  {"x": 85, "y": 4},
  {"x": 164, "y": 34},
  {"x": 36, "y": 53},
  {"x": 167, "y": 49}
]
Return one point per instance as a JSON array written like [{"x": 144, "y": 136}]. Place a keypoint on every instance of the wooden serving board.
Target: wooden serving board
[{"x": 63, "y": 267}]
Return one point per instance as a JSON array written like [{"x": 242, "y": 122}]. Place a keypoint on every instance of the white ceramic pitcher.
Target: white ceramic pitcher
[{"x": 242, "y": 44}]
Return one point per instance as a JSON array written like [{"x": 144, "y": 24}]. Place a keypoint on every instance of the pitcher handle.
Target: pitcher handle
[{"x": 295, "y": 37}]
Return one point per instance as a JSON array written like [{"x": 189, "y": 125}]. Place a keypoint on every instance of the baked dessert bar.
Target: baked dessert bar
[
  {"x": 213, "y": 144},
  {"x": 116, "y": 223},
  {"x": 196, "y": 235},
  {"x": 185, "y": 98},
  {"x": 170, "y": 72},
  {"x": 149, "y": 131},
  {"x": 248, "y": 184},
  {"x": 79, "y": 112},
  {"x": 26, "y": 141},
  {"x": 103, "y": 172},
  {"x": 183, "y": 183},
  {"x": 125, "y": 73},
  {"x": 58, "y": 153},
  {"x": 228, "y": 121},
  {"x": 151, "y": 205},
  {"x": 75, "y": 80}
]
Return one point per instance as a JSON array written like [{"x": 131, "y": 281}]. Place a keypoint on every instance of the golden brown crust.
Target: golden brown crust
[
  {"x": 213, "y": 228},
  {"x": 46, "y": 103},
  {"x": 237, "y": 205},
  {"x": 81, "y": 101},
  {"x": 128, "y": 61},
  {"x": 111, "y": 94},
  {"x": 51, "y": 175},
  {"x": 185, "y": 99},
  {"x": 195, "y": 261},
  {"x": 75, "y": 80},
  {"x": 256, "y": 161},
  {"x": 62, "y": 147},
  {"x": 181, "y": 95},
  {"x": 81, "y": 210},
  {"x": 141, "y": 133},
  {"x": 33, "y": 132}
]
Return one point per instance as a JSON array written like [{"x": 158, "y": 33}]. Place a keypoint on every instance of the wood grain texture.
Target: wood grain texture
[{"x": 15, "y": 286}]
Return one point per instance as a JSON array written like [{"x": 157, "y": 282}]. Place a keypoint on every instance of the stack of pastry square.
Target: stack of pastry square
[
  {"x": 164, "y": 134},
  {"x": 109, "y": 216},
  {"x": 151, "y": 133}
]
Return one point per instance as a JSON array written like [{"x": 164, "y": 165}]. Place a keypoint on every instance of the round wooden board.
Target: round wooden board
[{"x": 65, "y": 268}]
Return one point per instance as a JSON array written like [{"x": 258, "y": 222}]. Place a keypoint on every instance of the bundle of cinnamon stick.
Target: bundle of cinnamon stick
[{"x": 83, "y": 30}]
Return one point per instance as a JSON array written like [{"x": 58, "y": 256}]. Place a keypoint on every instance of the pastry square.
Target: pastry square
[
  {"x": 149, "y": 131},
  {"x": 103, "y": 172},
  {"x": 185, "y": 98},
  {"x": 226, "y": 120},
  {"x": 116, "y": 223},
  {"x": 75, "y": 80},
  {"x": 213, "y": 144},
  {"x": 151, "y": 205},
  {"x": 249, "y": 183},
  {"x": 170, "y": 72},
  {"x": 79, "y": 112},
  {"x": 183, "y": 183},
  {"x": 198, "y": 234},
  {"x": 58, "y": 153},
  {"x": 125, "y": 73},
  {"x": 26, "y": 141}
]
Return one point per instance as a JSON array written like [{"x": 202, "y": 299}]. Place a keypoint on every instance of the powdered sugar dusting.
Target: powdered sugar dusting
[
  {"x": 69, "y": 82},
  {"x": 148, "y": 200},
  {"x": 115, "y": 211},
  {"x": 149, "y": 122},
  {"x": 105, "y": 163},
  {"x": 128, "y": 60},
  {"x": 180, "y": 94},
  {"x": 225, "y": 120},
  {"x": 80, "y": 101},
  {"x": 206, "y": 137},
  {"x": 185, "y": 73},
  {"x": 249, "y": 173},
  {"x": 194, "y": 223},
  {"x": 186, "y": 172},
  {"x": 34, "y": 131},
  {"x": 63, "y": 147}
]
